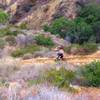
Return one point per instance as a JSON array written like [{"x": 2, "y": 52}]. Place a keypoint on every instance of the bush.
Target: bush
[
  {"x": 83, "y": 49},
  {"x": 29, "y": 49},
  {"x": 2, "y": 82},
  {"x": 32, "y": 82},
  {"x": 96, "y": 28},
  {"x": 43, "y": 40},
  {"x": 59, "y": 26},
  {"x": 7, "y": 31},
  {"x": 23, "y": 25},
  {"x": 46, "y": 28},
  {"x": 61, "y": 78},
  {"x": 90, "y": 13},
  {"x": 78, "y": 30},
  {"x": 11, "y": 40},
  {"x": 74, "y": 49},
  {"x": 82, "y": 31},
  {"x": 7, "y": 69},
  {"x": 90, "y": 47},
  {"x": 91, "y": 74},
  {"x": 2, "y": 43},
  {"x": 3, "y": 16}
]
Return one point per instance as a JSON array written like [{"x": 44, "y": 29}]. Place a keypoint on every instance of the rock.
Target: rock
[
  {"x": 27, "y": 56},
  {"x": 3, "y": 26},
  {"x": 39, "y": 54},
  {"x": 29, "y": 39},
  {"x": 74, "y": 50},
  {"x": 45, "y": 53},
  {"x": 39, "y": 12},
  {"x": 21, "y": 40},
  {"x": 27, "y": 7},
  {"x": 76, "y": 87},
  {"x": 24, "y": 40},
  {"x": 59, "y": 41},
  {"x": 68, "y": 39}
]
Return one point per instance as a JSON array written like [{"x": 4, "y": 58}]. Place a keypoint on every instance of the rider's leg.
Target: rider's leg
[
  {"x": 58, "y": 56},
  {"x": 61, "y": 56}
]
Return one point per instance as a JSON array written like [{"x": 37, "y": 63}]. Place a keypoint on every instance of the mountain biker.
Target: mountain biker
[{"x": 60, "y": 53}]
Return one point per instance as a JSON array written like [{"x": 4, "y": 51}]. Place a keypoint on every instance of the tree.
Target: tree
[
  {"x": 91, "y": 74},
  {"x": 90, "y": 13},
  {"x": 78, "y": 30},
  {"x": 96, "y": 28}
]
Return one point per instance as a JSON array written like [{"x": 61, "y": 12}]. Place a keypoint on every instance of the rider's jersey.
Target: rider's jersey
[{"x": 61, "y": 51}]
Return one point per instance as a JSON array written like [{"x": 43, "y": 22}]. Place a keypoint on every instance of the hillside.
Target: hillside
[
  {"x": 38, "y": 12},
  {"x": 49, "y": 49}
]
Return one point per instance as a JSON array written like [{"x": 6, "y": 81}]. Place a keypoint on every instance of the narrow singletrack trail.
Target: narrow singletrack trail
[{"x": 72, "y": 59}]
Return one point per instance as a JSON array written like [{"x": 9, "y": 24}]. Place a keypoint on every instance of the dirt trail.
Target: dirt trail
[
  {"x": 89, "y": 93},
  {"x": 72, "y": 59}
]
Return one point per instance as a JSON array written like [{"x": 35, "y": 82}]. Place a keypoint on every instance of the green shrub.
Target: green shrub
[
  {"x": 3, "y": 17},
  {"x": 61, "y": 78},
  {"x": 59, "y": 26},
  {"x": 23, "y": 25},
  {"x": 21, "y": 51},
  {"x": 45, "y": 41},
  {"x": 73, "y": 49},
  {"x": 11, "y": 40},
  {"x": 96, "y": 28},
  {"x": 90, "y": 47},
  {"x": 78, "y": 30},
  {"x": 91, "y": 74},
  {"x": 2, "y": 82},
  {"x": 90, "y": 13},
  {"x": 81, "y": 31},
  {"x": 2, "y": 43},
  {"x": 83, "y": 49},
  {"x": 32, "y": 82},
  {"x": 46, "y": 28},
  {"x": 8, "y": 31}
]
